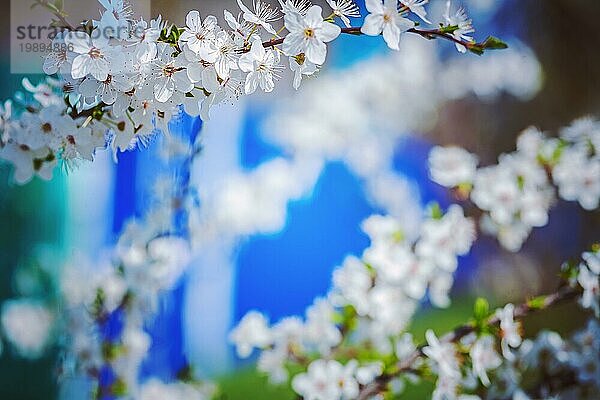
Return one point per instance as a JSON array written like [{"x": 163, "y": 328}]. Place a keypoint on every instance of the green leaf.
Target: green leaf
[
  {"x": 119, "y": 388},
  {"x": 449, "y": 29},
  {"x": 569, "y": 271},
  {"x": 436, "y": 211},
  {"x": 537, "y": 303},
  {"x": 59, "y": 5},
  {"x": 493, "y": 43},
  {"x": 51, "y": 7},
  {"x": 481, "y": 310},
  {"x": 476, "y": 49}
]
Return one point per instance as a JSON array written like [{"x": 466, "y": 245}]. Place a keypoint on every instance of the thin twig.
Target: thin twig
[
  {"x": 426, "y": 33},
  {"x": 65, "y": 24}
]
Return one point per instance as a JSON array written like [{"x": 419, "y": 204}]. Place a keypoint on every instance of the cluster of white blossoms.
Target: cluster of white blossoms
[
  {"x": 535, "y": 369},
  {"x": 120, "y": 80},
  {"x": 372, "y": 300},
  {"x": 340, "y": 358},
  {"x": 588, "y": 277},
  {"x": 517, "y": 193},
  {"x": 374, "y": 297},
  {"x": 100, "y": 312},
  {"x": 540, "y": 365}
]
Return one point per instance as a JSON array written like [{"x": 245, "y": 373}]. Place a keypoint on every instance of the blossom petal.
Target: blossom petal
[
  {"x": 246, "y": 63},
  {"x": 210, "y": 23},
  {"x": 316, "y": 52},
  {"x": 163, "y": 90},
  {"x": 294, "y": 22},
  {"x": 251, "y": 83},
  {"x": 314, "y": 16},
  {"x": 328, "y": 32},
  {"x": 80, "y": 66},
  {"x": 293, "y": 44},
  {"x": 373, "y": 25},
  {"x": 374, "y": 6},
  {"x": 78, "y": 42},
  {"x": 391, "y": 35},
  {"x": 193, "y": 20}
]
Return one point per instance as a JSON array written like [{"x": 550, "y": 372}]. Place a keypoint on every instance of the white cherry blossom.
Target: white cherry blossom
[
  {"x": 252, "y": 332},
  {"x": 326, "y": 380},
  {"x": 511, "y": 337},
  {"x": 308, "y": 35},
  {"x": 262, "y": 15},
  {"x": 592, "y": 261},
  {"x": 443, "y": 356},
  {"x": 199, "y": 35},
  {"x": 60, "y": 59},
  {"x": 27, "y": 325},
  {"x": 115, "y": 19},
  {"x": 344, "y": 9},
  {"x": 28, "y": 163},
  {"x": 452, "y": 166},
  {"x": 262, "y": 66},
  {"x": 459, "y": 19},
  {"x": 417, "y": 7},
  {"x": 484, "y": 358},
  {"x": 590, "y": 282},
  {"x": 578, "y": 178},
  {"x": 384, "y": 18},
  {"x": 295, "y": 6},
  {"x": 169, "y": 75},
  {"x": 226, "y": 58},
  {"x": 94, "y": 55}
]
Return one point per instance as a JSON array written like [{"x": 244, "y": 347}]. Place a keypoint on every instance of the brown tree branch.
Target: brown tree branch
[
  {"x": 426, "y": 33},
  {"x": 562, "y": 295}
]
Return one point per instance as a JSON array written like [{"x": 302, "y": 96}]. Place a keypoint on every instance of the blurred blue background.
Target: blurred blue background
[{"x": 281, "y": 273}]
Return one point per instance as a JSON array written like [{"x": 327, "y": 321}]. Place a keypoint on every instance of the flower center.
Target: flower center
[
  {"x": 309, "y": 33},
  {"x": 300, "y": 58},
  {"x": 169, "y": 70},
  {"x": 387, "y": 18},
  {"x": 95, "y": 53},
  {"x": 47, "y": 128},
  {"x": 262, "y": 67}
]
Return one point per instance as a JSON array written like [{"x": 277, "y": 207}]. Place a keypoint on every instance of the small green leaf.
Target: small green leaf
[
  {"x": 436, "y": 211},
  {"x": 449, "y": 29},
  {"x": 537, "y": 303},
  {"x": 569, "y": 271},
  {"x": 481, "y": 309},
  {"x": 476, "y": 49},
  {"x": 51, "y": 7},
  {"x": 493, "y": 43},
  {"x": 119, "y": 388},
  {"x": 59, "y": 5}
]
